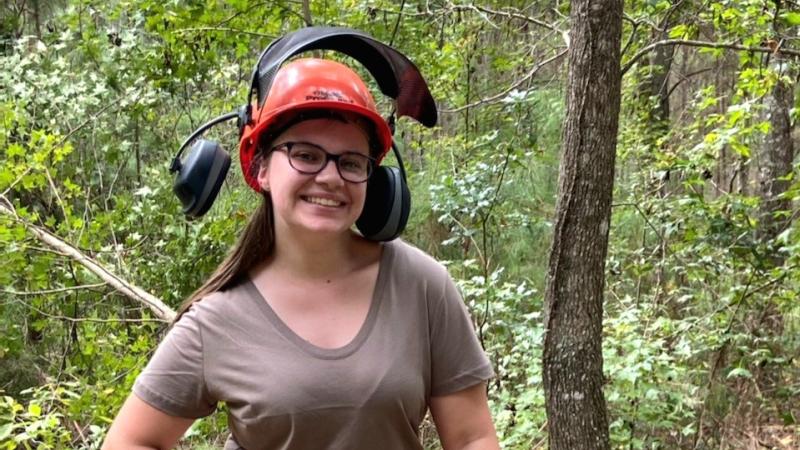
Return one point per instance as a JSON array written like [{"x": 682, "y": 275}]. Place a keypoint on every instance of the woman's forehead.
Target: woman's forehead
[
  {"x": 283, "y": 124},
  {"x": 324, "y": 130}
]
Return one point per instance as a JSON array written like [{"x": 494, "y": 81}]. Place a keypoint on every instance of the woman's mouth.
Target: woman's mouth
[{"x": 322, "y": 201}]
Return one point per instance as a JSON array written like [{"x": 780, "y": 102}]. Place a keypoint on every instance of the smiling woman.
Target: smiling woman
[
  {"x": 313, "y": 335},
  {"x": 308, "y": 192}
]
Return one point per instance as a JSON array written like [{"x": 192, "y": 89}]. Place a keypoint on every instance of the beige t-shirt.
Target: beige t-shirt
[{"x": 283, "y": 392}]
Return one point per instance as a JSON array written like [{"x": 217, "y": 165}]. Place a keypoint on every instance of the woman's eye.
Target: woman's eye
[
  {"x": 305, "y": 156},
  {"x": 353, "y": 165}
]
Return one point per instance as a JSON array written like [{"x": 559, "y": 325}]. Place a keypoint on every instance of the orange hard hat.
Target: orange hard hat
[{"x": 310, "y": 84}]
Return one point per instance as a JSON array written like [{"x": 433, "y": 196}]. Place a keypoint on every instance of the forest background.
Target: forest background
[{"x": 700, "y": 336}]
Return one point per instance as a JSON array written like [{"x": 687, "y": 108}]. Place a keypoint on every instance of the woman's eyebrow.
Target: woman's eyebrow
[{"x": 346, "y": 150}]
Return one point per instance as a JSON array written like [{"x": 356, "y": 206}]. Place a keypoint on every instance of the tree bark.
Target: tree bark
[
  {"x": 37, "y": 19},
  {"x": 775, "y": 163},
  {"x": 307, "y": 13},
  {"x": 656, "y": 84},
  {"x": 572, "y": 360},
  {"x": 775, "y": 159}
]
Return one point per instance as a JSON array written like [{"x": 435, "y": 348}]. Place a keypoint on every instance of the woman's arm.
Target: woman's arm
[
  {"x": 463, "y": 420},
  {"x": 139, "y": 426}
]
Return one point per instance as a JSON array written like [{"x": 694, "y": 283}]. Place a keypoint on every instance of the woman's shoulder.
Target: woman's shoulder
[
  {"x": 228, "y": 302},
  {"x": 411, "y": 260}
]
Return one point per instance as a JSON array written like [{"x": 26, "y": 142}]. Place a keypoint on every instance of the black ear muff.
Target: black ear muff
[
  {"x": 201, "y": 173},
  {"x": 200, "y": 177},
  {"x": 387, "y": 205}
]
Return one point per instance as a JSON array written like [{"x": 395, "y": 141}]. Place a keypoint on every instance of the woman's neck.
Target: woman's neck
[{"x": 316, "y": 256}]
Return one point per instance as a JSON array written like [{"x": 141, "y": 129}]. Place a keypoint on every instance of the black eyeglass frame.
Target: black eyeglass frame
[{"x": 287, "y": 146}]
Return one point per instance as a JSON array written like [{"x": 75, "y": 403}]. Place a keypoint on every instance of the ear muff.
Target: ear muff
[
  {"x": 201, "y": 176},
  {"x": 388, "y": 201},
  {"x": 386, "y": 207},
  {"x": 202, "y": 173}
]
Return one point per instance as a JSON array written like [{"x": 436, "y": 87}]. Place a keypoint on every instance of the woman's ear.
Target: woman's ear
[{"x": 263, "y": 175}]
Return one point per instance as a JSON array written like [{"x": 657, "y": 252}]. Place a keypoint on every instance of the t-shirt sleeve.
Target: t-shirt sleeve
[
  {"x": 457, "y": 358},
  {"x": 173, "y": 381}
]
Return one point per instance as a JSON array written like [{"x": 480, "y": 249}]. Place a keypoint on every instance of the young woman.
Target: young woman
[{"x": 313, "y": 336}]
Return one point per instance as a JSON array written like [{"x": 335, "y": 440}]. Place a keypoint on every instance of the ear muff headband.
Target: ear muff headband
[{"x": 200, "y": 177}]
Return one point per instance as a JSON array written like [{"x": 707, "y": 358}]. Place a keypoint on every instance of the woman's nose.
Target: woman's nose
[{"x": 329, "y": 174}]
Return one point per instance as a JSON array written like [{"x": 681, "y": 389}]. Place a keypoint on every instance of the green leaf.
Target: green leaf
[
  {"x": 739, "y": 372},
  {"x": 678, "y": 31},
  {"x": 792, "y": 18},
  {"x": 6, "y": 430},
  {"x": 34, "y": 410},
  {"x": 15, "y": 150}
]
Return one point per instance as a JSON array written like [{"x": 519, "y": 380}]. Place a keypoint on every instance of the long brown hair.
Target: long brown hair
[{"x": 254, "y": 244}]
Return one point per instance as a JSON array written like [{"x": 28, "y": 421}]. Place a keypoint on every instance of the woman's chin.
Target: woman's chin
[{"x": 321, "y": 227}]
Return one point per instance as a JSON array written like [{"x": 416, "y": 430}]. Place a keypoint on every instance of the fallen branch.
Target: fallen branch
[{"x": 159, "y": 308}]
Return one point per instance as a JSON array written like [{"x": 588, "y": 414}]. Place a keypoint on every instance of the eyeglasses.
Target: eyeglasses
[{"x": 310, "y": 159}]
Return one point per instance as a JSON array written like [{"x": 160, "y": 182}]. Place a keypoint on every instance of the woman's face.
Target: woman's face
[{"x": 319, "y": 203}]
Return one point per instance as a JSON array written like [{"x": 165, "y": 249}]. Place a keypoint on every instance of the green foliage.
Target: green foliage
[
  {"x": 94, "y": 103},
  {"x": 39, "y": 424}
]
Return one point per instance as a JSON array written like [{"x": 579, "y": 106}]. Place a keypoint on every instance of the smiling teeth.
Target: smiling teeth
[{"x": 323, "y": 201}]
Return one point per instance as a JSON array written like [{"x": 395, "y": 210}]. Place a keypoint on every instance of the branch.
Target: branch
[
  {"x": 159, "y": 308},
  {"x": 397, "y": 23},
  {"x": 701, "y": 44},
  {"x": 54, "y": 291},
  {"x": 686, "y": 77},
  {"x": 238, "y": 13},
  {"x": 86, "y": 122},
  {"x": 517, "y": 84},
  {"x": 634, "y": 29},
  {"x": 513, "y": 14},
  {"x": 510, "y": 15},
  {"x": 84, "y": 319},
  {"x": 665, "y": 21},
  {"x": 644, "y": 216},
  {"x": 307, "y": 13}
]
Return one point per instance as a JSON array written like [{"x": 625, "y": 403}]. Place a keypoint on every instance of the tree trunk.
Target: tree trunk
[
  {"x": 37, "y": 19},
  {"x": 656, "y": 84},
  {"x": 775, "y": 160},
  {"x": 307, "y": 13},
  {"x": 775, "y": 163},
  {"x": 572, "y": 360}
]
